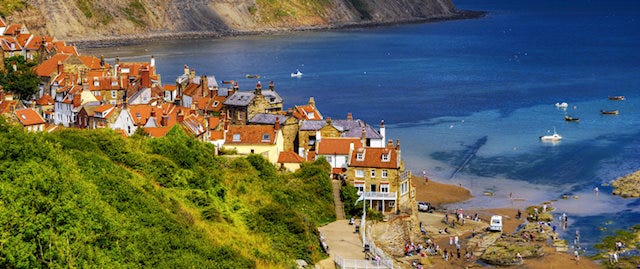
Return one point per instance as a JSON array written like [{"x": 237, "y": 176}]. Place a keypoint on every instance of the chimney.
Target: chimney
[
  {"x": 117, "y": 60},
  {"x": 363, "y": 137},
  {"x": 165, "y": 119},
  {"x": 398, "y": 144},
  {"x": 152, "y": 62},
  {"x": 312, "y": 102},
  {"x": 383, "y": 131},
  {"x": 271, "y": 85},
  {"x": 349, "y": 116},
  {"x": 258, "y": 90},
  {"x": 277, "y": 127},
  {"x": 213, "y": 92},
  {"x": 145, "y": 78},
  {"x": 398, "y": 152},
  {"x": 192, "y": 73},
  {"x": 101, "y": 60},
  {"x": 153, "y": 112},
  {"x": 351, "y": 149},
  {"x": 186, "y": 70},
  {"x": 232, "y": 90},
  {"x": 60, "y": 67},
  {"x": 204, "y": 85},
  {"x": 328, "y": 120},
  {"x": 390, "y": 144}
]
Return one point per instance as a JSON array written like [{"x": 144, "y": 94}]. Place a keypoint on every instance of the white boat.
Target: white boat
[
  {"x": 554, "y": 137},
  {"x": 562, "y": 105},
  {"x": 297, "y": 74}
]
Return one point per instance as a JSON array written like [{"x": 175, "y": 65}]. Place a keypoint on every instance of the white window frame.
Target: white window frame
[
  {"x": 266, "y": 137},
  {"x": 373, "y": 173},
  {"x": 359, "y": 187},
  {"x": 236, "y": 138},
  {"x": 359, "y": 173},
  {"x": 404, "y": 187},
  {"x": 114, "y": 94},
  {"x": 329, "y": 159},
  {"x": 384, "y": 187},
  {"x": 385, "y": 173},
  {"x": 360, "y": 156},
  {"x": 385, "y": 157}
]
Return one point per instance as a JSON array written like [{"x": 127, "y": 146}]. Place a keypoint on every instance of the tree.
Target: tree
[{"x": 21, "y": 80}]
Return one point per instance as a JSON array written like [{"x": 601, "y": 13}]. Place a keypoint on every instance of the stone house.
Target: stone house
[
  {"x": 380, "y": 175},
  {"x": 266, "y": 140},
  {"x": 30, "y": 120},
  {"x": 242, "y": 106}
]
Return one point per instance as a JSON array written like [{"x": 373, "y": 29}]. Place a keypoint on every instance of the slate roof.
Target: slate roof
[
  {"x": 263, "y": 118},
  {"x": 239, "y": 99},
  {"x": 272, "y": 96},
  {"x": 311, "y": 125}
]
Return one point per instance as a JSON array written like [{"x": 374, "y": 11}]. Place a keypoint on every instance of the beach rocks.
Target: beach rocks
[
  {"x": 504, "y": 252},
  {"x": 627, "y": 186}
]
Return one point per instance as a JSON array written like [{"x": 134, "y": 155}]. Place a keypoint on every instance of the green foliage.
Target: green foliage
[
  {"x": 134, "y": 11},
  {"x": 8, "y": 7},
  {"x": 252, "y": 9},
  {"x": 23, "y": 81},
  {"x": 85, "y": 7},
  {"x": 77, "y": 198},
  {"x": 349, "y": 195}
]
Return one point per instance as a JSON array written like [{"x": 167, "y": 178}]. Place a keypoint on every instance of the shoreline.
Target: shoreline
[{"x": 131, "y": 40}]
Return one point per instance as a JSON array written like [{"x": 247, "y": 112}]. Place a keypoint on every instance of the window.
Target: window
[
  {"x": 392, "y": 203},
  {"x": 373, "y": 173},
  {"x": 385, "y": 157},
  {"x": 404, "y": 188},
  {"x": 266, "y": 138},
  {"x": 373, "y": 187},
  {"x": 114, "y": 94},
  {"x": 385, "y": 173},
  {"x": 359, "y": 173},
  {"x": 384, "y": 187},
  {"x": 311, "y": 115},
  {"x": 360, "y": 156},
  {"x": 329, "y": 158},
  {"x": 359, "y": 187},
  {"x": 239, "y": 115},
  {"x": 236, "y": 137},
  {"x": 215, "y": 103}
]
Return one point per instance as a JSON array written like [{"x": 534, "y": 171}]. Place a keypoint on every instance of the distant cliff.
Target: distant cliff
[{"x": 77, "y": 20}]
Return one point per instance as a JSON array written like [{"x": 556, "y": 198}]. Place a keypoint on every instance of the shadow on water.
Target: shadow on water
[{"x": 576, "y": 164}]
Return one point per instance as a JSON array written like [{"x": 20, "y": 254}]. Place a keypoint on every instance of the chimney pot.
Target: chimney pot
[{"x": 349, "y": 116}]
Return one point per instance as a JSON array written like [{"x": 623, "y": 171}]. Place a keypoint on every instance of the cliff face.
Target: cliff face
[{"x": 105, "y": 19}]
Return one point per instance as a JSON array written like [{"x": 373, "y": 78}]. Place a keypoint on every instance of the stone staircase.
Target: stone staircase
[
  {"x": 483, "y": 241},
  {"x": 336, "y": 184}
]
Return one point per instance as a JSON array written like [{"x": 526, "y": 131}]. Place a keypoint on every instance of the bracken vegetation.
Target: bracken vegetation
[
  {"x": 77, "y": 198},
  {"x": 7, "y": 7}
]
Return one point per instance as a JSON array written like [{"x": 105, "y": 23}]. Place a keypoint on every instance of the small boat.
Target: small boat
[
  {"x": 562, "y": 105},
  {"x": 569, "y": 118},
  {"x": 297, "y": 74},
  {"x": 253, "y": 76},
  {"x": 228, "y": 82},
  {"x": 554, "y": 137},
  {"x": 617, "y": 98},
  {"x": 609, "y": 112}
]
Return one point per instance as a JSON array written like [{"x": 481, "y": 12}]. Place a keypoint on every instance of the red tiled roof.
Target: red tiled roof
[
  {"x": 45, "y": 100},
  {"x": 29, "y": 117},
  {"x": 216, "y": 135},
  {"x": 250, "y": 134},
  {"x": 306, "y": 112},
  {"x": 289, "y": 157},
  {"x": 2, "y": 23},
  {"x": 373, "y": 158},
  {"x": 5, "y": 105},
  {"x": 158, "y": 131},
  {"x": 50, "y": 66},
  {"x": 90, "y": 61},
  {"x": 6, "y": 42},
  {"x": 338, "y": 170},
  {"x": 61, "y": 47},
  {"x": 213, "y": 122},
  {"x": 23, "y": 38},
  {"x": 13, "y": 29},
  {"x": 337, "y": 145},
  {"x": 103, "y": 108},
  {"x": 169, "y": 87}
]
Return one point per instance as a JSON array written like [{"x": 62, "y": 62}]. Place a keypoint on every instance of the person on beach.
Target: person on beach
[
  {"x": 455, "y": 240},
  {"x": 576, "y": 255},
  {"x": 450, "y": 240},
  {"x": 519, "y": 214},
  {"x": 519, "y": 257}
]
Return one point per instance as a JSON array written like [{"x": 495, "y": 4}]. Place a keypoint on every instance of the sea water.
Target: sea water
[{"x": 468, "y": 99}]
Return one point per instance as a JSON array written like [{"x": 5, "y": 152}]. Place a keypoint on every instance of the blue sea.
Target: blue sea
[{"x": 469, "y": 98}]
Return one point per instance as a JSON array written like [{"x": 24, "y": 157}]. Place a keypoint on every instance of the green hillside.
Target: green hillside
[{"x": 77, "y": 198}]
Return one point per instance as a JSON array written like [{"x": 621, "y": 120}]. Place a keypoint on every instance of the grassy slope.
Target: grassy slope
[{"x": 91, "y": 198}]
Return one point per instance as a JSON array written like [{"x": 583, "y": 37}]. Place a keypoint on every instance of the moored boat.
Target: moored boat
[
  {"x": 252, "y": 76},
  {"x": 228, "y": 82},
  {"x": 553, "y": 138},
  {"x": 562, "y": 105},
  {"x": 569, "y": 118},
  {"x": 617, "y": 98},
  {"x": 297, "y": 74},
  {"x": 609, "y": 112}
]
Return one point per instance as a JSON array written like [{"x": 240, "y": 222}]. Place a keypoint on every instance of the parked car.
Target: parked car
[
  {"x": 424, "y": 207},
  {"x": 496, "y": 223}
]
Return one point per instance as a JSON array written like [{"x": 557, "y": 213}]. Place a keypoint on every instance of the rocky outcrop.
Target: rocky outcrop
[
  {"x": 111, "y": 19},
  {"x": 627, "y": 186}
]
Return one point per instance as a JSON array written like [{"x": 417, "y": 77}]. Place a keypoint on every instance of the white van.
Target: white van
[{"x": 496, "y": 223}]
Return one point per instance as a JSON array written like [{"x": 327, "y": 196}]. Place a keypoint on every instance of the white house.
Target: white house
[
  {"x": 336, "y": 150},
  {"x": 125, "y": 122}
]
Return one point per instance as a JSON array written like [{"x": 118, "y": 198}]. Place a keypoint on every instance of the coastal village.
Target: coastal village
[{"x": 86, "y": 92}]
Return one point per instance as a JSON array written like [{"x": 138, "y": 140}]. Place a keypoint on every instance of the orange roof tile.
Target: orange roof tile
[
  {"x": 373, "y": 158},
  {"x": 306, "y": 112},
  {"x": 103, "y": 108},
  {"x": 158, "y": 131},
  {"x": 289, "y": 157},
  {"x": 216, "y": 135},
  {"x": 45, "y": 100},
  {"x": 7, "y": 42},
  {"x": 13, "y": 29},
  {"x": 23, "y": 38},
  {"x": 48, "y": 67},
  {"x": 337, "y": 145},
  {"x": 29, "y": 117},
  {"x": 90, "y": 61},
  {"x": 5, "y": 105},
  {"x": 169, "y": 87},
  {"x": 61, "y": 47},
  {"x": 2, "y": 23},
  {"x": 250, "y": 134}
]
